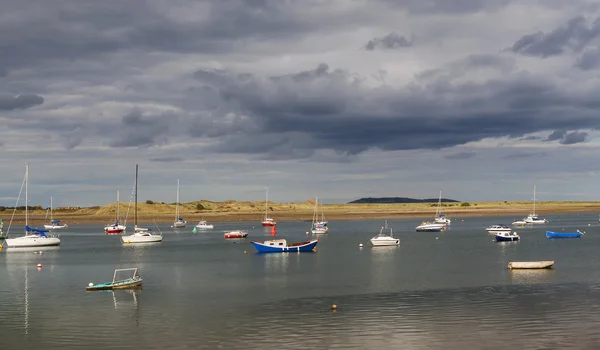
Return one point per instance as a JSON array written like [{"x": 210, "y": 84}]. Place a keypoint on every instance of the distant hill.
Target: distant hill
[{"x": 401, "y": 200}]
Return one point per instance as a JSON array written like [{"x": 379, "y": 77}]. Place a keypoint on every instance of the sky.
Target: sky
[{"x": 479, "y": 99}]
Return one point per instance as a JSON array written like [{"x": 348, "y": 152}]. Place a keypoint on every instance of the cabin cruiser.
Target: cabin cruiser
[
  {"x": 427, "y": 226},
  {"x": 385, "y": 237},
  {"x": 498, "y": 228}
]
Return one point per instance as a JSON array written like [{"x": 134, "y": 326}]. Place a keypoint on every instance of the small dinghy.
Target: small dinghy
[
  {"x": 531, "y": 264},
  {"x": 235, "y": 234},
  {"x": 135, "y": 281},
  {"x": 551, "y": 234}
]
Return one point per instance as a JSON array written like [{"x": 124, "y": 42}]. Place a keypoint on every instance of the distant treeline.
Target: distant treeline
[{"x": 401, "y": 200}]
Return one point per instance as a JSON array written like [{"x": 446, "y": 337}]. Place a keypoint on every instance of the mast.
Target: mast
[
  {"x": 267, "y": 204},
  {"x": 439, "y": 208},
  {"x": 316, "y": 211},
  {"x": 51, "y": 218},
  {"x": 26, "y": 196},
  {"x": 177, "y": 203},
  {"x": 136, "y": 197},
  {"x": 118, "y": 206},
  {"x": 533, "y": 199}
]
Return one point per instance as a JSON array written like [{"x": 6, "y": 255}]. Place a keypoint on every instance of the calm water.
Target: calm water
[{"x": 448, "y": 290}]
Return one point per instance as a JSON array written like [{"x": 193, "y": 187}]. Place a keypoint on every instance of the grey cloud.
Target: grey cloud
[
  {"x": 575, "y": 36},
  {"x": 449, "y": 6},
  {"x": 391, "y": 41},
  {"x": 589, "y": 59},
  {"x": 530, "y": 138},
  {"x": 167, "y": 159},
  {"x": 521, "y": 155},
  {"x": 556, "y": 135},
  {"x": 469, "y": 64},
  {"x": 9, "y": 102},
  {"x": 460, "y": 155},
  {"x": 574, "y": 137},
  {"x": 138, "y": 129}
]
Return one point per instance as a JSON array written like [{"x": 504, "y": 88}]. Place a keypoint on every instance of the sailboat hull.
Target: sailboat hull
[
  {"x": 54, "y": 227},
  {"x": 31, "y": 241},
  {"x": 269, "y": 223},
  {"x": 141, "y": 238}
]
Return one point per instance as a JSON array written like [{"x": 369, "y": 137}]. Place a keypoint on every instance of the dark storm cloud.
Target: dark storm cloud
[
  {"x": 391, "y": 41},
  {"x": 335, "y": 109},
  {"x": 575, "y": 36},
  {"x": 9, "y": 102},
  {"x": 460, "y": 155}
]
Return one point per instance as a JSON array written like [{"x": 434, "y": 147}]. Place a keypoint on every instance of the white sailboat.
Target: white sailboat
[
  {"x": 267, "y": 221},
  {"x": 54, "y": 224},
  {"x": 179, "y": 222},
  {"x": 32, "y": 237},
  {"x": 140, "y": 234},
  {"x": 531, "y": 218},
  {"x": 318, "y": 226},
  {"x": 115, "y": 227},
  {"x": 440, "y": 217}
]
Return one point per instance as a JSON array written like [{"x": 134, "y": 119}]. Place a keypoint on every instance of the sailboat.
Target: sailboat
[
  {"x": 440, "y": 217},
  {"x": 267, "y": 221},
  {"x": 318, "y": 226},
  {"x": 140, "y": 235},
  {"x": 179, "y": 222},
  {"x": 32, "y": 237},
  {"x": 115, "y": 227},
  {"x": 54, "y": 224},
  {"x": 531, "y": 218}
]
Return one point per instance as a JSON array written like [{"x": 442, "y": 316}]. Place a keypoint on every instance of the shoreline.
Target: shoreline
[{"x": 336, "y": 212}]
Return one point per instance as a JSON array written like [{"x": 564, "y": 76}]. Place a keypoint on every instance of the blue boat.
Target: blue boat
[
  {"x": 280, "y": 246},
  {"x": 551, "y": 234},
  {"x": 507, "y": 236}
]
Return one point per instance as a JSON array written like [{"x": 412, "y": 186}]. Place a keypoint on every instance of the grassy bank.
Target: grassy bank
[{"x": 249, "y": 211}]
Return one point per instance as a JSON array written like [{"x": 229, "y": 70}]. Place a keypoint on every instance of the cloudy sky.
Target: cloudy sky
[{"x": 342, "y": 99}]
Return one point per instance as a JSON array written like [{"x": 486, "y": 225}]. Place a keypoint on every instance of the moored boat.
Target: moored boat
[
  {"x": 551, "y": 234},
  {"x": 236, "y": 234},
  {"x": 280, "y": 245},
  {"x": 135, "y": 281},
  {"x": 385, "y": 237},
  {"x": 427, "y": 226},
  {"x": 498, "y": 228},
  {"x": 203, "y": 225},
  {"x": 506, "y": 236}
]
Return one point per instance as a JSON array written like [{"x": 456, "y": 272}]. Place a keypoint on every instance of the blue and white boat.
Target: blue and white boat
[
  {"x": 281, "y": 245},
  {"x": 507, "y": 236},
  {"x": 551, "y": 234}
]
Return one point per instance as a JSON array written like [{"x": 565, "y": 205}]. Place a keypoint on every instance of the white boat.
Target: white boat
[
  {"x": 318, "y": 226},
  {"x": 531, "y": 218},
  {"x": 440, "y": 218},
  {"x": 427, "y": 226},
  {"x": 498, "y": 228},
  {"x": 54, "y": 224},
  {"x": 179, "y": 222},
  {"x": 385, "y": 237},
  {"x": 115, "y": 227},
  {"x": 267, "y": 221},
  {"x": 140, "y": 234},
  {"x": 203, "y": 225},
  {"x": 32, "y": 237}
]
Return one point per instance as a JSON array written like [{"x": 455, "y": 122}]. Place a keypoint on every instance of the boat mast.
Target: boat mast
[
  {"x": 533, "y": 199},
  {"x": 267, "y": 204},
  {"x": 439, "y": 208},
  {"x": 118, "y": 206},
  {"x": 51, "y": 218},
  {"x": 177, "y": 203},
  {"x": 136, "y": 198},
  {"x": 316, "y": 211},
  {"x": 26, "y": 196}
]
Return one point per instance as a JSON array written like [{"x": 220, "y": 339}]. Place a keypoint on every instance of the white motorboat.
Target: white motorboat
[
  {"x": 32, "y": 237},
  {"x": 385, "y": 237},
  {"x": 203, "y": 225},
  {"x": 427, "y": 226},
  {"x": 140, "y": 234},
  {"x": 498, "y": 228}
]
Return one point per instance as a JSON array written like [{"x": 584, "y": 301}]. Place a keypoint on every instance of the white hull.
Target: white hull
[
  {"x": 540, "y": 221},
  {"x": 430, "y": 227},
  {"x": 32, "y": 241},
  {"x": 378, "y": 242},
  {"x": 141, "y": 237},
  {"x": 179, "y": 224},
  {"x": 443, "y": 220},
  {"x": 204, "y": 227},
  {"x": 54, "y": 227},
  {"x": 319, "y": 230}
]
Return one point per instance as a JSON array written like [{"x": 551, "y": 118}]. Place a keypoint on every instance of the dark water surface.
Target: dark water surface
[{"x": 448, "y": 290}]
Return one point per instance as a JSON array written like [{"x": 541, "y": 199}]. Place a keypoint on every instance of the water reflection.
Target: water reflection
[
  {"x": 277, "y": 262},
  {"x": 532, "y": 276},
  {"x": 126, "y": 298}
]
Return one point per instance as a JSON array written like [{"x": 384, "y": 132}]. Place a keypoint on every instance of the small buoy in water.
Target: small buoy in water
[
  {"x": 306, "y": 232},
  {"x": 90, "y": 284},
  {"x": 334, "y": 307},
  {"x": 437, "y": 237},
  {"x": 39, "y": 266},
  {"x": 360, "y": 245},
  {"x": 127, "y": 242},
  {"x": 244, "y": 252},
  {"x": 41, "y": 252}
]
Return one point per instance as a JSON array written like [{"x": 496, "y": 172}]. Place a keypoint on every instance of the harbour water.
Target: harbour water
[{"x": 446, "y": 290}]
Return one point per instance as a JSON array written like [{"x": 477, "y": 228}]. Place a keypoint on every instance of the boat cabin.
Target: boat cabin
[{"x": 276, "y": 242}]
